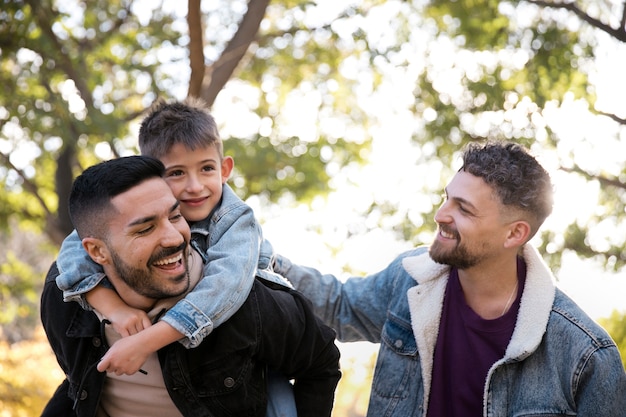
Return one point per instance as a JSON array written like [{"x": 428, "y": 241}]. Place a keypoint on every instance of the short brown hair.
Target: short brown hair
[{"x": 188, "y": 122}]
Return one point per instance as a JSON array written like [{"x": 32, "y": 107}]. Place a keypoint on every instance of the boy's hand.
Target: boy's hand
[
  {"x": 128, "y": 321},
  {"x": 128, "y": 354},
  {"x": 125, "y": 356}
]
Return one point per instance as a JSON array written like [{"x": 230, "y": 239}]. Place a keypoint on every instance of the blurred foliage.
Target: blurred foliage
[
  {"x": 25, "y": 257},
  {"x": 616, "y": 326},
  {"x": 29, "y": 375}
]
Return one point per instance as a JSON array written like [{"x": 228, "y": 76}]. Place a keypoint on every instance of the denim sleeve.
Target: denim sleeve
[
  {"x": 232, "y": 257},
  {"x": 78, "y": 273},
  {"x": 357, "y": 308},
  {"x": 601, "y": 383}
]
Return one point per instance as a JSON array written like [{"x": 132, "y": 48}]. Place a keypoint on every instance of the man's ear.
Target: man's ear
[
  {"x": 97, "y": 250},
  {"x": 227, "y": 168},
  {"x": 518, "y": 234}
]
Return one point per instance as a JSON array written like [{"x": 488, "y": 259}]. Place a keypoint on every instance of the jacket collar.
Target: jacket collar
[
  {"x": 426, "y": 299},
  {"x": 535, "y": 306}
]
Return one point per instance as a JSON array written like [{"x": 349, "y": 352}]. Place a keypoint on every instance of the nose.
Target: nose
[
  {"x": 443, "y": 214},
  {"x": 193, "y": 184},
  {"x": 172, "y": 234}
]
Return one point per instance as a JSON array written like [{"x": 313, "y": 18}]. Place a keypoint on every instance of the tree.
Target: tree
[{"x": 76, "y": 80}]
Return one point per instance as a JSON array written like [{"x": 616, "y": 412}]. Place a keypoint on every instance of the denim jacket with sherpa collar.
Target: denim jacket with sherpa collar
[{"x": 559, "y": 362}]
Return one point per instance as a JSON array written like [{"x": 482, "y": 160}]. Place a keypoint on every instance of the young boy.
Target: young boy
[{"x": 184, "y": 136}]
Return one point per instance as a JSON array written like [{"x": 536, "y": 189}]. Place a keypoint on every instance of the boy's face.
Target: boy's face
[{"x": 196, "y": 178}]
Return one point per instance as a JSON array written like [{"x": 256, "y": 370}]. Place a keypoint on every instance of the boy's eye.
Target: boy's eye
[
  {"x": 208, "y": 168},
  {"x": 175, "y": 173}
]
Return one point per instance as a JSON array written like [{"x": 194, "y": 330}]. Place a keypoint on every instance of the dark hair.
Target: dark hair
[
  {"x": 517, "y": 178},
  {"x": 92, "y": 191},
  {"x": 188, "y": 122}
]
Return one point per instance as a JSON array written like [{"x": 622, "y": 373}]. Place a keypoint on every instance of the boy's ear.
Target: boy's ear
[
  {"x": 227, "y": 168},
  {"x": 97, "y": 250}
]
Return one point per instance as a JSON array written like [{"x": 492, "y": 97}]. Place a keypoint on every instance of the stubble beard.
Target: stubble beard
[
  {"x": 141, "y": 279},
  {"x": 458, "y": 257}
]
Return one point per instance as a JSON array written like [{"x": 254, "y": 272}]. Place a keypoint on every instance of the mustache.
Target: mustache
[{"x": 166, "y": 252}]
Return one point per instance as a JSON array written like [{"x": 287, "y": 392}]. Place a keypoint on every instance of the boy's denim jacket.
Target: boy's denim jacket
[
  {"x": 230, "y": 243},
  {"x": 559, "y": 362}
]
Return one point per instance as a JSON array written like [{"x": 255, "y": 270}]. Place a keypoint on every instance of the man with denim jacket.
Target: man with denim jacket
[
  {"x": 131, "y": 224},
  {"x": 474, "y": 325}
]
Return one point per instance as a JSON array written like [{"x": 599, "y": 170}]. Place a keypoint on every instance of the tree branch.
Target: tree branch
[
  {"x": 196, "y": 48},
  {"x": 604, "y": 181},
  {"x": 612, "y": 116},
  {"x": 619, "y": 33},
  {"x": 218, "y": 74},
  {"x": 41, "y": 16},
  {"x": 28, "y": 185}
]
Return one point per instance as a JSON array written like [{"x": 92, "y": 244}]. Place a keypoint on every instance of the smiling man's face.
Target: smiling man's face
[{"x": 147, "y": 243}]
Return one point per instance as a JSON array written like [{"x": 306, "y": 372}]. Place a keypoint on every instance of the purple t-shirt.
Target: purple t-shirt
[{"x": 467, "y": 346}]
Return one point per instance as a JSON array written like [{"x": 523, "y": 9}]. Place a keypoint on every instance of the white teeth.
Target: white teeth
[
  {"x": 170, "y": 260},
  {"x": 447, "y": 235}
]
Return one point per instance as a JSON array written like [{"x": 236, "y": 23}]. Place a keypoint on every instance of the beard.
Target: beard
[
  {"x": 458, "y": 257},
  {"x": 144, "y": 282}
]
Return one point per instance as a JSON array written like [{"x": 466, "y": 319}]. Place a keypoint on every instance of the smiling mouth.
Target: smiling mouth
[
  {"x": 169, "y": 261},
  {"x": 447, "y": 234},
  {"x": 194, "y": 200}
]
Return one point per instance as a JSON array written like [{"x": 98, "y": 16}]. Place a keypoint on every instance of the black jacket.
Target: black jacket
[{"x": 223, "y": 376}]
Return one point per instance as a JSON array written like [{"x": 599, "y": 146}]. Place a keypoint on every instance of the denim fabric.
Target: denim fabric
[
  {"x": 225, "y": 376},
  {"x": 559, "y": 362},
  {"x": 78, "y": 272}
]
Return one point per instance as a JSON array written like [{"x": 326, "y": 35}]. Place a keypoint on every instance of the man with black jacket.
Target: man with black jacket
[{"x": 131, "y": 224}]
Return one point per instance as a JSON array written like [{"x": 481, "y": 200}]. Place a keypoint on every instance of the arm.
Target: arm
[
  {"x": 601, "y": 386},
  {"x": 125, "y": 319},
  {"x": 297, "y": 344},
  {"x": 356, "y": 309},
  {"x": 78, "y": 273},
  {"x": 231, "y": 259},
  {"x": 128, "y": 354}
]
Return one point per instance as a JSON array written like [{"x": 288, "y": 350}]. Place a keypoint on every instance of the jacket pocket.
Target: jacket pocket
[{"x": 397, "y": 366}]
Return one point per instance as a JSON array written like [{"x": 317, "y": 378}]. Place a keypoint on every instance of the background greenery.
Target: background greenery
[{"x": 77, "y": 76}]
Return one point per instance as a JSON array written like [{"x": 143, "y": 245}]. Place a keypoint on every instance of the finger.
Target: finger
[
  {"x": 146, "y": 323},
  {"x": 103, "y": 365}
]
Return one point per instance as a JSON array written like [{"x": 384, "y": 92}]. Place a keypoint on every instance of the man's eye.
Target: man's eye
[
  {"x": 176, "y": 217},
  {"x": 144, "y": 231}
]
